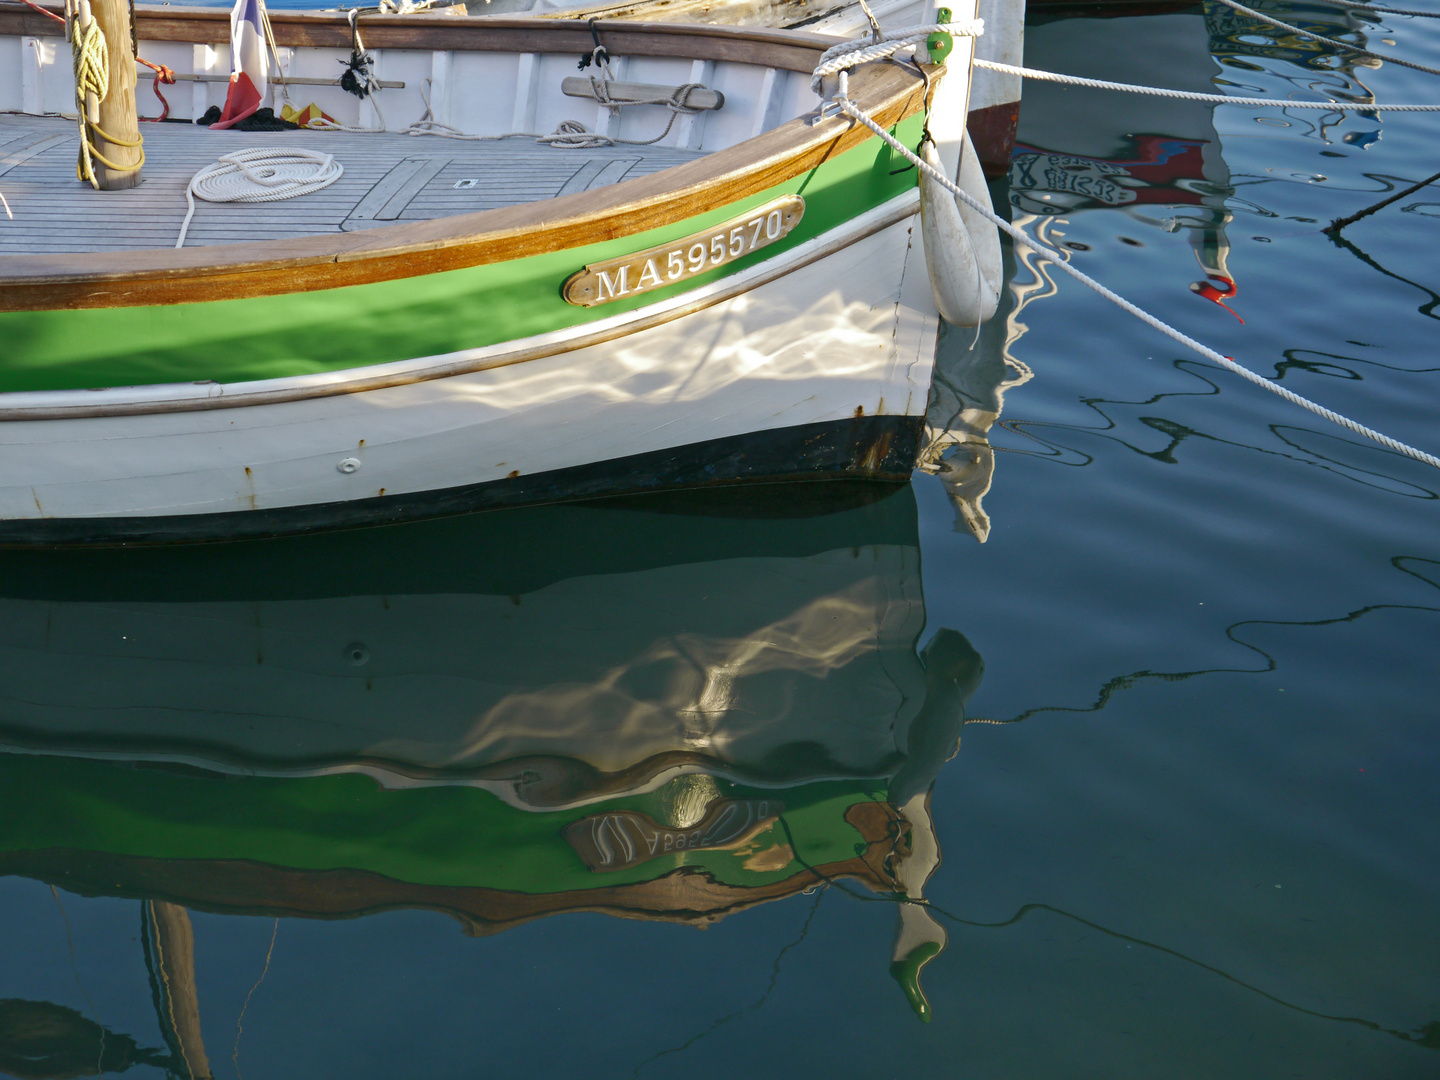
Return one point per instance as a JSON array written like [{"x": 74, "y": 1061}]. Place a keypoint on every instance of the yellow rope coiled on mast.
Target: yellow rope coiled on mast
[{"x": 92, "y": 76}]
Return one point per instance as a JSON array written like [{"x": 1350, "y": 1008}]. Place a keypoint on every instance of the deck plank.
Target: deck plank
[{"x": 388, "y": 177}]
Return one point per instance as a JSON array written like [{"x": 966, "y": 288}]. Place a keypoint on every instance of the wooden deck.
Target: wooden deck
[{"x": 389, "y": 178}]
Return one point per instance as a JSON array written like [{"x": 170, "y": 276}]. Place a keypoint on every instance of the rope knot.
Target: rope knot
[
  {"x": 599, "y": 56},
  {"x": 849, "y": 55},
  {"x": 92, "y": 64}
]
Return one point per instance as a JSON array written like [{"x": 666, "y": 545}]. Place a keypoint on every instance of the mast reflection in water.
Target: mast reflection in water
[{"x": 667, "y": 711}]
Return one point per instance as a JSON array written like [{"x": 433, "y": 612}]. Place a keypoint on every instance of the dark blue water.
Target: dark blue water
[{"x": 1190, "y": 828}]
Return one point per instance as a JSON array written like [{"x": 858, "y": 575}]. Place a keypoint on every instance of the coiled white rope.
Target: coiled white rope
[
  {"x": 1328, "y": 40},
  {"x": 1187, "y": 95},
  {"x": 849, "y": 108},
  {"x": 259, "y": 174}
]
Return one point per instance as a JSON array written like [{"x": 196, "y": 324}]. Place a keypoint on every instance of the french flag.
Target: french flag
[{"x": 249, "y": 70}]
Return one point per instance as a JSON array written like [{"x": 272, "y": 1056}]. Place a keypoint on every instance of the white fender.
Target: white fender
[{"x": 962, "y": 247}]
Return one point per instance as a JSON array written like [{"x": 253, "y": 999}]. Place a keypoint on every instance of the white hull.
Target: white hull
[{"x": 849, "y": 331}]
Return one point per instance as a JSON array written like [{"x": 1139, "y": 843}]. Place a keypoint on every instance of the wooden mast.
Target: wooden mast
[{"x": 117, "y": 114}]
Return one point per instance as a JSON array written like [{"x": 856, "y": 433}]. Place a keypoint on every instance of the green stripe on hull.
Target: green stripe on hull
[
  {"x": 304, "y": 333},
  {"x": 431, "y": 835}
]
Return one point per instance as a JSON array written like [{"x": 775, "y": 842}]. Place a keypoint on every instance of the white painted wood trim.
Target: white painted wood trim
[
  {"x": 691, "y": 135},
  {"x": 950, "y": 105},
  {"x": 369, "y": 118},
  {"x": 764, "y": 102},
  {"x": 442, "y": 64},
  {"x": 607, "y": 121},
  {"x": 32, "y": 77},
  {"x": 206, "y": 62},
  {"x": 1004, "y": 43},
  {"x": 284, "y": 59},
  {"x": 527, "y": 92}
]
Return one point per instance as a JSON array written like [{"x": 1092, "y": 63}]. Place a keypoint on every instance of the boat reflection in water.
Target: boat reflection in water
[
  {"x": 1162, "y": 160},
  {"x": 1158, "y": 159},
  {"x": 656, "y": 710}
]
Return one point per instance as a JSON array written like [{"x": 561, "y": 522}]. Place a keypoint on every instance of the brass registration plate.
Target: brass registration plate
[{"x": 654, "y": 268}]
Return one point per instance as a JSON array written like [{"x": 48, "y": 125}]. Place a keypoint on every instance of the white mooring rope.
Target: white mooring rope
[
  {"x": 1188, "y": 95},
  {"x": 259, "y": 174},
  {"x": 849, "y": 108}
]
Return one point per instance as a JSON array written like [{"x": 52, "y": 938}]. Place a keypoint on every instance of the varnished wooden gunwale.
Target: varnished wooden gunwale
[
  {"x": 789, "y": 50},
  {"x": 135, "y": 278}
]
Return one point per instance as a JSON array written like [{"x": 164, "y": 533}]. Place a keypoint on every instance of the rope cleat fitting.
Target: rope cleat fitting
[{"x": 940, "y": 46}]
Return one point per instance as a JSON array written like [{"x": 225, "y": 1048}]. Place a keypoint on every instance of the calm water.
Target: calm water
[{"x": 1195, "y": 834}]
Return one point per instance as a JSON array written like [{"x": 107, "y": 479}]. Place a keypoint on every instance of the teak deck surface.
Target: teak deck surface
[{"x": 388, "y": 178}]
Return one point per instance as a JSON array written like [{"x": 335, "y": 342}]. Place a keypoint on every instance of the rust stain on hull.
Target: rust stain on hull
[{"x": 878, "y": 451}]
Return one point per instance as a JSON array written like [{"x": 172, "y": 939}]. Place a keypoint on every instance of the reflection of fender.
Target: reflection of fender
[
  {"x": 953, "y": 670},
  {"x": 962, "y": 248}
]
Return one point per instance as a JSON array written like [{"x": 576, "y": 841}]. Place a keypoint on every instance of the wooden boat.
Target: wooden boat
[
  {"x": 666, "y": 709},
  {"x": 456, "y": 323}
]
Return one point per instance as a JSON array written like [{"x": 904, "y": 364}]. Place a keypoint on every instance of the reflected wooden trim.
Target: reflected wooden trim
[{"x": 242, "y": 887}]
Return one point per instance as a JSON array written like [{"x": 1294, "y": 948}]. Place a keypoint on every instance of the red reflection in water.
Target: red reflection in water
[{"x": 1217, "y": 294}]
